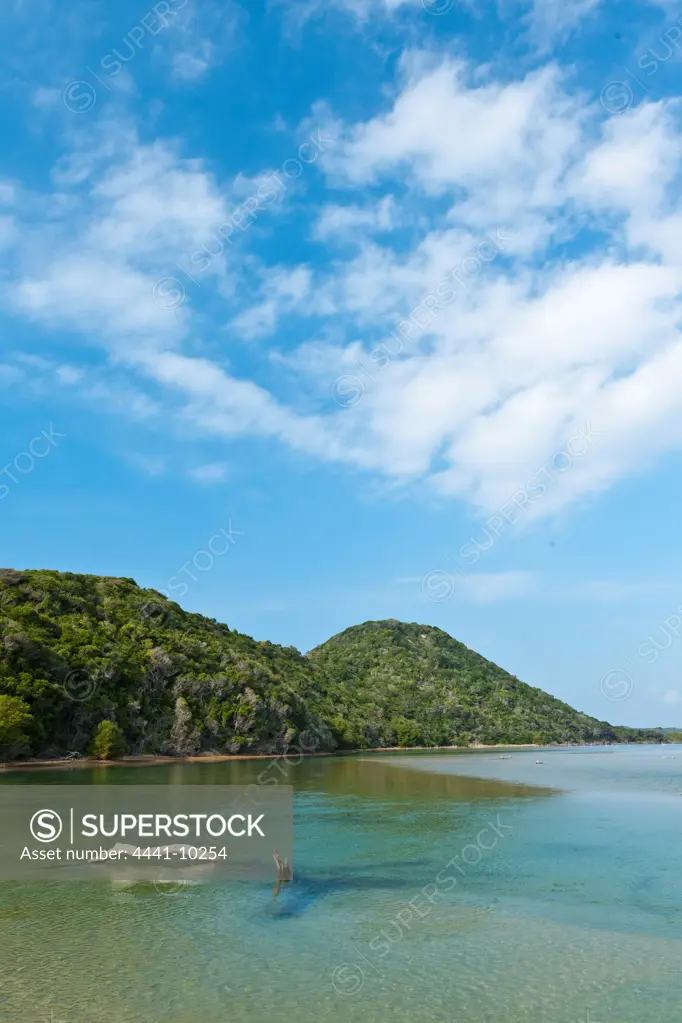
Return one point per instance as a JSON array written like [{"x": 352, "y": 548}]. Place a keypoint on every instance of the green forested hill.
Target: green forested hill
[
  {"x": 79, "y": 650},
  {"x": 408, "y": 684}
]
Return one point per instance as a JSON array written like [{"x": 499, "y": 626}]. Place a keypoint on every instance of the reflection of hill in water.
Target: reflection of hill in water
[{"x": 369, "y": 777}]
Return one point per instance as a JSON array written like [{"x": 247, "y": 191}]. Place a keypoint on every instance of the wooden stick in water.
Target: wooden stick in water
[{"x": 283, "y": 868}]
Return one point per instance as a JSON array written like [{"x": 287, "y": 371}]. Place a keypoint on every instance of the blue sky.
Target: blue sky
[{"x": 314, "y": 313}]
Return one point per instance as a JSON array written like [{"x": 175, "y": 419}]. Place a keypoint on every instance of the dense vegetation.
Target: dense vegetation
[
  {"x": 93, "y": 664},
  {"x": 393, "y": 683},
  {"x": 79, "y": 650}
]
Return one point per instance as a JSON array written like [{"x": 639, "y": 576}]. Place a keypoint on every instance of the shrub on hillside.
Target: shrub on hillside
[
  {"x": 14, "y": 714},
  {"x": 108, "y": 741}
]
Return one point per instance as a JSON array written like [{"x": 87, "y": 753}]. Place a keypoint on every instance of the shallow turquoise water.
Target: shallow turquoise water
[{"x": 571, "y": 910}]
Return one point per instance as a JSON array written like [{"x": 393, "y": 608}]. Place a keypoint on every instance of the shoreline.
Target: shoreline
[{"x": 155, "y": 760}]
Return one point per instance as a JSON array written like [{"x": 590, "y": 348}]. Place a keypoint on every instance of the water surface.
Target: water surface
[{"x": 571, "y": 911}]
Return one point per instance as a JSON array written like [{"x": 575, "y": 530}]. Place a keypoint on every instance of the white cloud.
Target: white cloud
[
  {"x": 8, "y": 193},
  {"x": 128, "y": 212},
  {"x": 553, "y": 21},
  {"x": 9, "y": 375},
  {"x": 671, "y": 696},
  {"x": 533, "y": 346},
  {"x": 7, "y": 231},
  {"x": 188, "y": 65},
  {"x": 282, "y": 290},
  {"x": 221, "y": 405},
  {"x": 133, "y": 210},
  {"x": 563, "y": 237},
  {"x": 102, "y": 294},
  {"x": 635, "y": 161},
  {"x": 154, "y": 201},
  {"x": 69, "y": 375},
  {"x": 487, "y": 587},
  {"x": 519, "y": 135},
  {"x": 298, "y": 13},
  {"x": 348, "y": 222},
  {"x": 201, "y": 37},
  {"x": 48, "y": 99},
  {"x": 213, "y": 472},
  {"x": 548, "y": 21},
  {"x": 479, "y": 587},
  {"x": 150, "y": 466}
]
